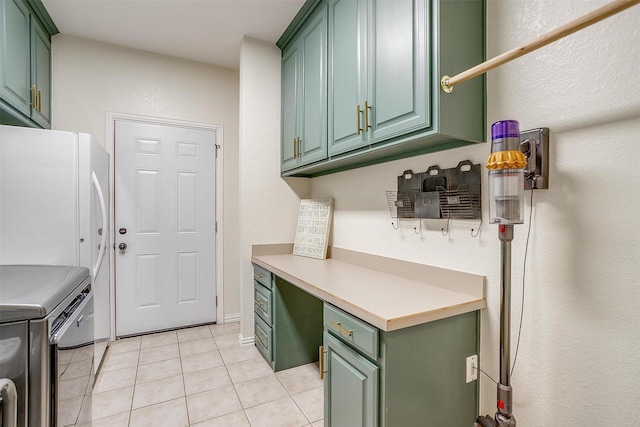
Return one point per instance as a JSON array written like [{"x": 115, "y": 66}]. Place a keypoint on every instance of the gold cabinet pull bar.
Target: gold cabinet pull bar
[
  {"x": 296, "y": 147},
  {"x": 259, "y": 303},
  {"x": 342, "y": 330},
  {"x": 39, "y": 103},
  {"x": 33, "y": 91},
  {"x": 258, "y": 276},
  {"x": 321, "y": 354},
  {"x": 367, "y": 107},
  {"x": 358, "y": 111}
]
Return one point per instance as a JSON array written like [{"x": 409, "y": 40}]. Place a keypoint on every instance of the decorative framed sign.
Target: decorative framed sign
[{"x": 312, "y": 232}]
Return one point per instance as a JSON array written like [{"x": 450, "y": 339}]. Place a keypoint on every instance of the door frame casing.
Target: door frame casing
[{"x": 112, "y": 117}]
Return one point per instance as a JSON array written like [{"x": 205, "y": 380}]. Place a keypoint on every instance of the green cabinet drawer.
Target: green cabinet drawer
[
  {"x": 352, "y": 330},
  {"x": 262, "y": 303},
  {"x": 262, "y": 333},
  {"x": 262, "y": 276}
]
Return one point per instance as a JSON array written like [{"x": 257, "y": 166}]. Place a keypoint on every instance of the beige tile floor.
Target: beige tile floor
[{"x": 201, "y": 377}]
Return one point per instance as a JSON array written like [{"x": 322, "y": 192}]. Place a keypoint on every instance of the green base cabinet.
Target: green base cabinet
[
  {"x": 25, "y": 64},
  {"x": 385, "y": 61},
  {"x": 424, "y": 374},
  {"x": 287, "y": 322},
  {"x": 350, "y": 385},
  {"x": 263, "y": 311},
  {"x": 420, "y": 373},
  {"x": 411, "y": 377},
  {"x": 298, "y": 326}
]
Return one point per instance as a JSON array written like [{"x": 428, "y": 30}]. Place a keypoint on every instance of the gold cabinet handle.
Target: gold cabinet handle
[
  {"x": 33, "y": 91},
  {"x": 261, "y": 339},
  {"x": 259, "y": 303},
  {"x": 40, "y": 101},
  {"x": 367, "y": 107},
  {"x": 358, "y": 128},
  {"x": 342, "y": 330},
  {"x": 321, "y": 354},
  {"x": 296, "y": 147},
  {"x": 258, "y": 276},
  {"x": 298, "y": 140}
]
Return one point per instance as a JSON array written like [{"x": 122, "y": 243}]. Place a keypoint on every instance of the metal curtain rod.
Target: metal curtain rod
[{"x": 447, "y": 83}]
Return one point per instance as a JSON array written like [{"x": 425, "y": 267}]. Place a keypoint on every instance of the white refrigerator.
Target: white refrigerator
[{"x": 54, "y": 195}]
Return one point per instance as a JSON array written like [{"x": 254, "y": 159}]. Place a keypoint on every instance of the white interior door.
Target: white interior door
[{"x": 165, "y": 225}]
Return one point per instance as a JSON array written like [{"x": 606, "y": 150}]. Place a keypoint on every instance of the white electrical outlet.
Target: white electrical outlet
[{"x": 472, "y": 368}]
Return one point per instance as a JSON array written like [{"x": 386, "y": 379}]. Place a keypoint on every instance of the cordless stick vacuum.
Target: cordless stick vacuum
[{"x": 506, "y": 193}]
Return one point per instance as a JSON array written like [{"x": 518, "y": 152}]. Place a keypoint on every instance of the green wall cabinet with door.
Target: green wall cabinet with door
[
  {"x": 378, "y": 88},
  {"x": 304, "y": 94},
  {"x": 384, "y": 64},
  {"x": 25, "y": 63}
]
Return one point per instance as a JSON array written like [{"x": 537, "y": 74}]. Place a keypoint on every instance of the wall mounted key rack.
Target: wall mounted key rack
[{"x": 453, "y": 193}]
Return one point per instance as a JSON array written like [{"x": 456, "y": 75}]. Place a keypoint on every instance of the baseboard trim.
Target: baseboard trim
[
  {"x": 246, "y": 341},
  {"x": 231, "y": 318}
]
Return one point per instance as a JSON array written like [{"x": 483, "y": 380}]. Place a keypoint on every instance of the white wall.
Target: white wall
[
  {"x": 268, "y": 204},
  {"x": 90, "y": 79},
  {"x": 580, "y": 347}
]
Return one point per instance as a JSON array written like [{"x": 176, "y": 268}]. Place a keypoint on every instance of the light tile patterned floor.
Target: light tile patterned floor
[{"x": 199, "y": 377}]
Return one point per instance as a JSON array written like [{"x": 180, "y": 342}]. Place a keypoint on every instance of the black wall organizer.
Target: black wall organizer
[{"x": 453, "y": 193}]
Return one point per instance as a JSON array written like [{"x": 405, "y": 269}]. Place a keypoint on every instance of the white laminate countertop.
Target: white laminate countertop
[{"x": 387, "y": 293}]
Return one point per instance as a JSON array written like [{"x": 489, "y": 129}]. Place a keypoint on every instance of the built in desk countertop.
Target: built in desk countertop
[{"x": 387, "y": 293}]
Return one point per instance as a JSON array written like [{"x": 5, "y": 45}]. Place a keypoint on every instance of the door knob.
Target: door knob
[{"x": 122, "y": 246}]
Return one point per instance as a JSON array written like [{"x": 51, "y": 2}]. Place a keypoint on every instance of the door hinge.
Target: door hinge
[
  {"x": 217, "y": 148},
  {"x": 216, "y": 301},
  {"x": 216, "y": 226}
]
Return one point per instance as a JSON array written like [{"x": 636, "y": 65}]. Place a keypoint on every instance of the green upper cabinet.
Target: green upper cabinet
[
  {"x": 15, "y": 67},
  {"x": 385, "y": 62},
  {"x": 378, "y": 60},
  {"x": 304, "y": 94},
  {"x": 41, "y": 74},
  {"x": 348, "y": 84},
  {"x": 25, "y": 63}
]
